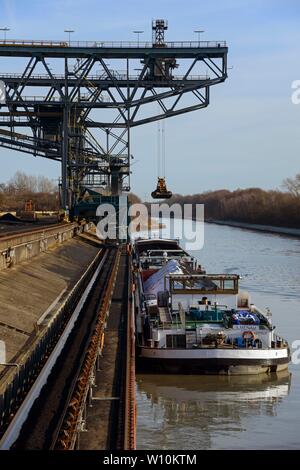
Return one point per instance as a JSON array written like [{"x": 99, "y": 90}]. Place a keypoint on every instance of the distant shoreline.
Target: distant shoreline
[
  {"x": 288, "y": 231},
  {"x": 293, "y": 232}
]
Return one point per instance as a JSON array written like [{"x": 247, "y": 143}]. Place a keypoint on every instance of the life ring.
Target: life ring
[{"x": 248, "y": 335}]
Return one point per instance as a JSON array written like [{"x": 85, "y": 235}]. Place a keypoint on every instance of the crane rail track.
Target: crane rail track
[{"x": 51, "y": 414}]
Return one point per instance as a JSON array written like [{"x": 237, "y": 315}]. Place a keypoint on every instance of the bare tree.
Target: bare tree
[
  {"x": 22, "y": 183},
  {"x": 45, "y": 185},
  {"x": 292, "y": 185}
]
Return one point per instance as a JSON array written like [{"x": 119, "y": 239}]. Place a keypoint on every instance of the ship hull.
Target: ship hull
[
  {"x": 246, "y": 346},
  {"x": 214, "y": 362}
]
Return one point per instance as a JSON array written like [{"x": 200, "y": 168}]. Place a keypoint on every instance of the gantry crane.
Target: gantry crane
[{"x": 76, "y": 102}]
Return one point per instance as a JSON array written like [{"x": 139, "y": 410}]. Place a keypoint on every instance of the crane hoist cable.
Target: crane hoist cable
[
  {"x": 161, "y": 191},
  {"x": 158, "y": 150},
  {"x": 163, "y": 149}
]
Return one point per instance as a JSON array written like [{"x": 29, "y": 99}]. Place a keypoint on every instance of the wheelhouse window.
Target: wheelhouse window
[{"x": 175, "y": 341}]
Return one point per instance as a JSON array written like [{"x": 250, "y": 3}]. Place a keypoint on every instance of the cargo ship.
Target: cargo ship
[{"x": 192, "y": 322}]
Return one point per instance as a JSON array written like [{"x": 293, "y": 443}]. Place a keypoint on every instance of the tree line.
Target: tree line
[
  {"x": 252, "y": 205},
  {"x": 22, "y": 187}
]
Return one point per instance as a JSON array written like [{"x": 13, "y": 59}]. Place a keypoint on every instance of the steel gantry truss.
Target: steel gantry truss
[{"x": 81, "y": 114}]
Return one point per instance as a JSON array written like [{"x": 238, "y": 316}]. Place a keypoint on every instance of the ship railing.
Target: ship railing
[
  {"x": 200, "y": 343},
  {"x": 278, "y": 342},
  {"x": 173, "y": 325},
  {"x": 177, "y": 254},
  {"x": 179, "y": 325}
]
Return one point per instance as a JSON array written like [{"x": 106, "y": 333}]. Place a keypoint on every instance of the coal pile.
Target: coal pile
[{"x": 9, "y": 218}]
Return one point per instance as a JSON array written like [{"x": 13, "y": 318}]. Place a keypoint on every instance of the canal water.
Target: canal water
[{"x": 255, "y": 412}]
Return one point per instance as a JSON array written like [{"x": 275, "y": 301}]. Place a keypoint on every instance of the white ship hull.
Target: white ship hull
[{"x": 213, "y": 361}]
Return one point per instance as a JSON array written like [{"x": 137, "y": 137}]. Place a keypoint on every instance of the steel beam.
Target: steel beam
[
  {"x": 66, "y": 119},
  {"x": 186, "y": 51}
]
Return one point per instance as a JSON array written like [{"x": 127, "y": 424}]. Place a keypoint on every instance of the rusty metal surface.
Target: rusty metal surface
[
  {"x": 24, "y": 245},
  {"x": 111, "y": 417},
  {"x": 25, "y": 230},
  {"x": 71, "y": 423},
  {"x": 130, "y": 385}
]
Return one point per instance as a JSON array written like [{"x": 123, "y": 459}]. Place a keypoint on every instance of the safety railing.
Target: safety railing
[
  {"x": 26, "y": 42},
  {"x": 37, "y": 98},
  {"x": 113, "y": 44},
  {"x": 104, "y": 76}
]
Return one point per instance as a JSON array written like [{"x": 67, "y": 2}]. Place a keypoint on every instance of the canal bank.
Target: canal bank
[{"x": 292, "y": 232}]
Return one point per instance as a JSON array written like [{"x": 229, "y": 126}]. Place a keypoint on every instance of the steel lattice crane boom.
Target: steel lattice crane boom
[{"x": 90, "y": 97}]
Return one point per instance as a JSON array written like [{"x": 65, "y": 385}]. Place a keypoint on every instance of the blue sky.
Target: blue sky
[{"x": 249, "y": 135}]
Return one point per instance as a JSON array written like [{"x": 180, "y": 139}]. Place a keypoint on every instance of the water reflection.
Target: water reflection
[{"x": 199, "y": 409}]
